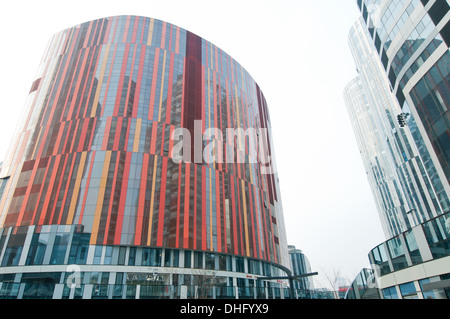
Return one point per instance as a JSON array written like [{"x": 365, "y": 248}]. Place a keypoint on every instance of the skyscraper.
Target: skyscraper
[
  {"x": 403, "y": 191},
  {"x": 399, "y": 109},
  {"x": 300, "y": 265},
  {"x": 134, "y": 172},
  {"x": 412, "y": 38}
]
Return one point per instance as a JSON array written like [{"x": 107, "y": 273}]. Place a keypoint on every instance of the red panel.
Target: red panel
[
  {"x": 252, "y": 229},
  {"x": 141, "y": 205},
  {"x": 163, "y": 35},
  {"x": 177, "y": 45},
  {"x": 117, "y": 135},
  {"x": 86, "y": 189},
  {"x": 27, "y": 193},
  {"x": 218, "y": 221},
  {"x": 177, "y": 235},
  {"x": 83, "y": 135},
  {"x": 125, "y": 33},
  {"x": 52, "y": 218},
  {"x": 154, "y": 80},
  {"x": 107, "y": 133},
  {"x": 186, "y": 206},
  {"x": 194, "y": 222},
  {"x": 192, "y": 102},
  {"x": 225, "y": 246},
  {"x": 169, "y": 88},
  {"x": 234, "y": 225},
  {"x": 108, "y": 228},
  {"x": 153, "y": 140},
  {"x": 61, "y": 220},
  {"x": 204, "y": 235},
  {"x": 123, "y": 198},
  {"x": 162, "y": 202},
  {"x": 44, "y": 216}
]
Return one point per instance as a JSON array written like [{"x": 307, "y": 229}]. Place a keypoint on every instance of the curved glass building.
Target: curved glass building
[
  {"x": 142, "y": 168},
  {"x": 399, "y": 106}
]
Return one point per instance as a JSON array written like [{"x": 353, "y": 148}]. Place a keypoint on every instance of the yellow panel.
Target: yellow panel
[
  {"x": 137, "y": 136},
  {"x": 150, "y": 32},
  {"x": 238, "y": 121},
  {"x": 100, "y": 80},
  {"x": 101, "y": 196},
  {"x": 162, "y": 86},
  {"x": 210, "y": 212},
  {"x": 150, "y": 222},
  {"x": 247, "y": 243},
  {"x": 76, "y": 188}
]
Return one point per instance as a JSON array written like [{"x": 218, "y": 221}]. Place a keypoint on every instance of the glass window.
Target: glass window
[
  {"x": 122, "y": 253},
  {"x": 240, "y": 264},
  {"x": 390, "y": 293},
  {"x": 59, "y": 249},
  {"x": 222, "y": 262},
  {"x": 187, "y": 259},
  {"x": 156, "y": 257},
  {"x": 132, "y": 256},
  {"x": 151, "y": 257},
  {"x": 167, "y": 256},
  {"x": 413, "y": 249},
  {"x": 175, "y": 258},
  {"x": 253, "y": 267},
  {"x": 426, "y": 294},
  {"x": 146, "y": 256},
  {"x": 397, "y": 253},
  {"x": 98, "y": 255},
  {"x": 108, "y": 255},
  {"x": 79, "y": 248},
  {"x": 11, "y": 256},
  {"x": 408, "y": 291},
  {"x": 380, "y": 259},
  {"x": 198, "y": 260},
  {"x": 37, "y": 249},
  {"x": 210, "y": 261},
  {"x": 437, "y": 232}
]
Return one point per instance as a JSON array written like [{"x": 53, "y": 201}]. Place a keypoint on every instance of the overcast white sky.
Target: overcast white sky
[{"x": 297, "y": 52}]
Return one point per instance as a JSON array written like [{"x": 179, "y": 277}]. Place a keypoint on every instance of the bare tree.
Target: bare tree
[
  {"x": 203, "y": 282},
  {"x": 336, "y": 280}
]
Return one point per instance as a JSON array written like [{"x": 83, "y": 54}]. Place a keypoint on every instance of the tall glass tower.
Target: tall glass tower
[
  {"x": 301, "y": 266},
  {"x": 117, "y": 186},
  {"x": 404, "y": 193},
  {"x": 399, "y": 105},
  {"x": 412, "y": 39}
]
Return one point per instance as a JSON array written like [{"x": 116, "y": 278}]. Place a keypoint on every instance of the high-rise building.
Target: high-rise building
[
  {"x": 300, "y": 265},
  {"x": 412, "y": 38},
  {"x": 133, "y": 172},
  {"x": 404, "y": 193},
  {"x": 399, "y": 109}
]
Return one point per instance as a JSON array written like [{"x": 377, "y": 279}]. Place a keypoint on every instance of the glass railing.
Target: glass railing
[
  {"x": 12, "y": 290},
  {"x": 363, "y": 287},
  {"x": 403, "y": 251}
]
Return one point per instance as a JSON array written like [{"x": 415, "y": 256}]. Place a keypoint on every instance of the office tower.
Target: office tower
[
  {"x": 404, "y": 193},
  {"x": 117, "y": 186},
  {"x": 406, "y": 114},
  {"x": 412, "y": 40},
  {"x": 300, "y": 265}
]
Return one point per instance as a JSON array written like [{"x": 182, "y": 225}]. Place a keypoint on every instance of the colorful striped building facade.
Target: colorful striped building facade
[{"x": 90, "y": 178}]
